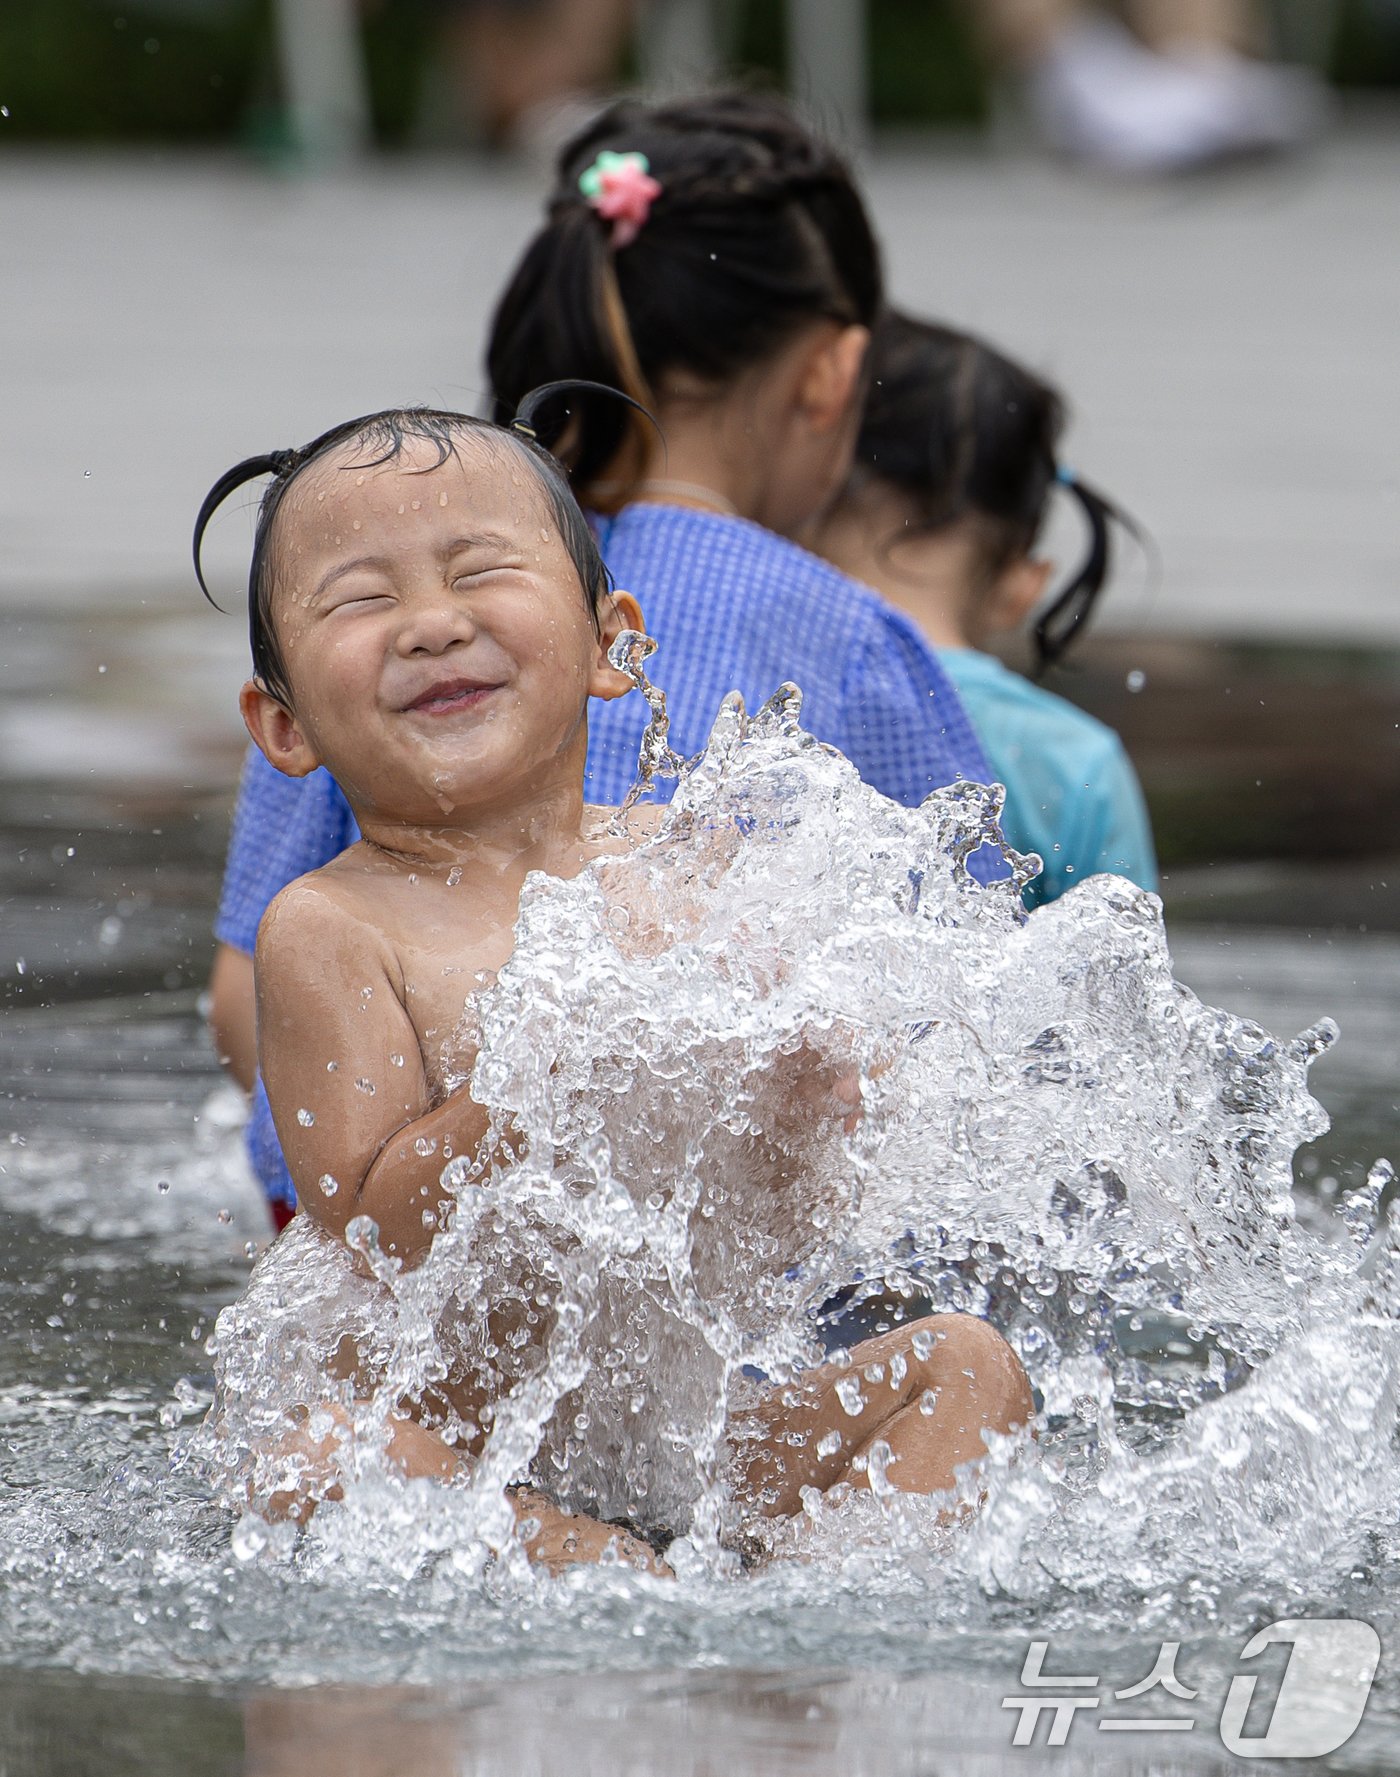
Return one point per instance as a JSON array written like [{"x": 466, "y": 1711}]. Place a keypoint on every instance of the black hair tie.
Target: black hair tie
[{"x": 1060, "y": 623}]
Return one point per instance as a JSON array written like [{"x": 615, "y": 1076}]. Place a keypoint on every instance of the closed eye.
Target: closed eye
[
  {"x": 466, "y": 579},
  {"x": 357, "y": 601}
]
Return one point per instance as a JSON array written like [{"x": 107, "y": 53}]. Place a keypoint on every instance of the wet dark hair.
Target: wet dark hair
[
  {"x": 966, "y": 433},
  {"x": 758, "y": 229},
  {"x": 383, "y": 437}
]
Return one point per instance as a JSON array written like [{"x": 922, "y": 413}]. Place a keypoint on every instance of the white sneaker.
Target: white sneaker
[
  {"x": 1271, "y": 105},
  {"x": 1099, "y": 95}
]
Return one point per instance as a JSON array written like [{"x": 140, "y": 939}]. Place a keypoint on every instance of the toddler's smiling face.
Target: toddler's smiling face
[{"x": 437, "y": 640}]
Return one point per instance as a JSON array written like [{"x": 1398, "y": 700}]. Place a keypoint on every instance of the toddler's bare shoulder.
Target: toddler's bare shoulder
[{"x": 315, "y": 919}]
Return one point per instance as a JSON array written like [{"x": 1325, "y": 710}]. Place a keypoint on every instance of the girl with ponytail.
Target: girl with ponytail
[
  {"x": 712, "y": 259},
  {"x": 955, "y": 466}
]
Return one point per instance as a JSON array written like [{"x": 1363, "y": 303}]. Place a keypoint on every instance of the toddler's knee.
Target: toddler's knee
[{"x": 974, "y": 1349}]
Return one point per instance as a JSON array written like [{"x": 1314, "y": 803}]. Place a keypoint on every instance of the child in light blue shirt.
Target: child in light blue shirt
[{"x": 955, "y": 467}]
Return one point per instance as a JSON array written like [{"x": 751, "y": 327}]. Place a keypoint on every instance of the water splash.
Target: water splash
[
  {"x": 1054, "y": 1133},
  {"x": 656, "y": 758}
]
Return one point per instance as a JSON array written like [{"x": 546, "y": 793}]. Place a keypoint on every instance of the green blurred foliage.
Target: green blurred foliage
[
  {"x": 204, "y": 70},
  {"x": 84, "y": 71}
]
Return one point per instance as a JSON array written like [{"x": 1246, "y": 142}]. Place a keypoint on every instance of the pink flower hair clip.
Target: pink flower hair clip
[{"x": 620, "y": 188}]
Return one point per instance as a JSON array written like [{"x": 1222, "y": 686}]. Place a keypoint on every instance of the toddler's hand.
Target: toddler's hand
[{"x": 559, "y": 1540}]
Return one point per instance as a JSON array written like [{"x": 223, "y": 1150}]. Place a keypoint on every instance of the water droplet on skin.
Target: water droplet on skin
[
  {"x": 829, "y": 1445},
  {"x": 306, "y": 1118},
  {"x": 357, "y": 526},
  {"x": 850, "y": 1397},
  {"x": 442, "y": 498},
  {"x": 332, "y": 1067},
  {"x": 454, "y": 876},
  {"x": 424, "y": 1146},
  {"x": 928, "y": 1402},
  {"x": 396, "y": 1061},
  {"x": 1136, "y": 680},
  {"x": 329, "y": 1184},
  {"x": 417, "y": 505},
  {"x": 163, "y": 1185},
  {"x": 250, "y": 1249},
  {"x": 225, "y": 1216},
  {"x": 365, "y": 1086}
]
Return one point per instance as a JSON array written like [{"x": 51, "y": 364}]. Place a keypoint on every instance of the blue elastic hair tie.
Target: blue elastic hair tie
[{"x": 1064, "y": 475}]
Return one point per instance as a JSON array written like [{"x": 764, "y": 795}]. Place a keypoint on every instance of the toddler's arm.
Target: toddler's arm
[{"x": 345, "y": 1077}]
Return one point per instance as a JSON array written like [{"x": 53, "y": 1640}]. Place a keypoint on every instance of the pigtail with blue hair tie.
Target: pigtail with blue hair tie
[{"x": 1059, "y": 624}]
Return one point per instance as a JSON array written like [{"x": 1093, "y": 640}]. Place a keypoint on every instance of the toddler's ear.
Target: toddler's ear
[
  {"x": 275, "y": 731},
  {"x": 618, "y": 611}
]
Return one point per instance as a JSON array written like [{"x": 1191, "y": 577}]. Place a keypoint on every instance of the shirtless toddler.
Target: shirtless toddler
[{"x": 429, "y": 619}]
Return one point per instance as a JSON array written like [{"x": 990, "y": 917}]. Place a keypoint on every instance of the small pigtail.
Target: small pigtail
[
  {"x": 1059, "y": 624},
  {"x": 528, "y": 411},
  {"x": 272, "y": 462}
]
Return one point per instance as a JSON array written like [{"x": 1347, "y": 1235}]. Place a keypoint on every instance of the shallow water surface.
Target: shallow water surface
[
  {"x": 146, "y": 1631},
  {"x": 128, "y": 1219}
]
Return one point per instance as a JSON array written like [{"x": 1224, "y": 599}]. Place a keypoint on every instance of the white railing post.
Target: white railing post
[
  {"x": 323, "y": 76},
  {"x": 828, "y": 66},
  {"x": 678, "y": 45}
]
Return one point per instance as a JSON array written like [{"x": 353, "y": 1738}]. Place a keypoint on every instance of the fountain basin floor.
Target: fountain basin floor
[{"x": 142, "y": 1634}]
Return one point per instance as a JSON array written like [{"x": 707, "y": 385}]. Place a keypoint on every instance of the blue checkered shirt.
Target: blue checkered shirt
[{"x": 731, "y": 605}]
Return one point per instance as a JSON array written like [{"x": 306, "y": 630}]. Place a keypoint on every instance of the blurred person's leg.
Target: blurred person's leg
[
  {"x": 1218, "y": 24},
  {"x": 519, "y": 60},
  {"x": 1022, "y": 30}
]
